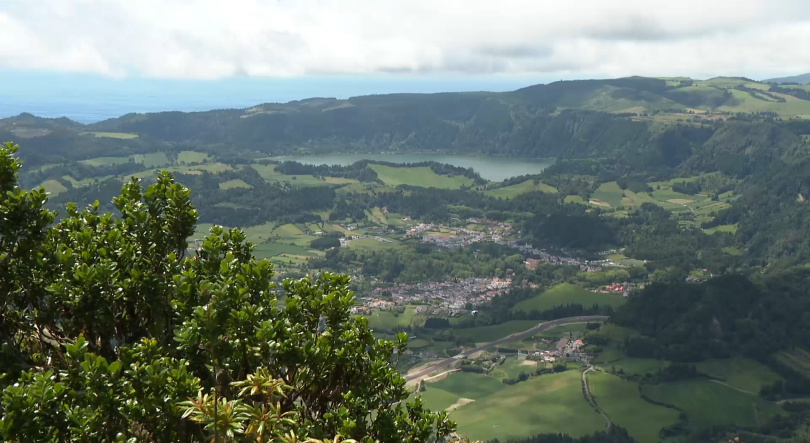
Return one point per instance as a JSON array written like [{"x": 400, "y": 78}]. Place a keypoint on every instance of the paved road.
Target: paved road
[
  {"x": 590, "y": 399},
  {"x": 519, "y": 336}
]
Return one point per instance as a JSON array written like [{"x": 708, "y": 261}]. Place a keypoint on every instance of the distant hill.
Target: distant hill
[
  {"x": 562, "y": 119},
  {"x": 802, "y": 79}
]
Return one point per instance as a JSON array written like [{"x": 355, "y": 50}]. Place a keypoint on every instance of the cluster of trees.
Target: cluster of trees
[
  {"x": 726, "y": 315},
  {"x": 358, "y": 171},
  {"x": 616, "y": 434},
  {"x": 110, "y": 332}
]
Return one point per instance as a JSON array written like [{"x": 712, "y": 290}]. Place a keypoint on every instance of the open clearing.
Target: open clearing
[
  {"x": 710, "y": 404},
  {"x": 152, "y": 160},
  {"x": 234, "y": 184},
  {"x": 564, "y": 294},
  {"x": 549, "y": 403},
  {"x": 421, "y": 176},
  {"x": 680, "y": 201},
  {"x": 122, "y": 135},
  {"x": 53, "y": 187},
  {"x": 619, "y": 399},
  {"x": 189, "y": 157},
  {"x": 741, "y": 373},
  {"x": 485, "y": 334},
  {"x": 512, "y": 191}
]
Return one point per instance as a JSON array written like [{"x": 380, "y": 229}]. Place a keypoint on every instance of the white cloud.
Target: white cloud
[{"x": 283, "y": 38}]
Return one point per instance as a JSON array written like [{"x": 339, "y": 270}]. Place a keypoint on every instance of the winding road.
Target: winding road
[{"x": 517, "y": 336}]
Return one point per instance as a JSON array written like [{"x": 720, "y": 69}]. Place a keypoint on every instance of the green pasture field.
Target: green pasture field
[
  {"x": 153, "y": 160},
  {"x": 564, "y": 294},
  {"x": 105, "y": 161},
  {"x": 190, "y": 157},
  {"x": 436, "y": 399},
  {"x": 53, "y": 187},
  {"x": 468, "y": 385},
  {"x": 609, "y": 193},
  {"x": 544, "y": 404},
  {"x": 268, "y": 250},
  {"x": 711, "y": 404},
  {"x": 387, "y": 321},
  {"x": 512, "y": 191},
  {"x": 722, "y": 228},
  {"x": 234, "y": 184},
  {"x": 740, "y": 373},
  {"x": 513, "y": 367},
  {"x": 608, "y": 355},
  {"x": 485, "y": 334},
  {"x": 371, "y": 244},
  {"x": 421, "y": 176},
  {"x": 632, "y": 365},
  {"x": 290, "y": 233},
  {"x": 575, "y": 199},
  {"x": 269, "y": 173},
  {"x": 620, "y": 400},
  {"x": 213, "y": 168},
  {"x": 623, "y": 260},
  {"x": 259, "y": 233},
  {"x": 121, "y": 135},
  {"x": 84, "y": 182}
]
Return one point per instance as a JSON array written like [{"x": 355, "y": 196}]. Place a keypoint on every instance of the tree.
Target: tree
[{"x": 110, "y": 332}]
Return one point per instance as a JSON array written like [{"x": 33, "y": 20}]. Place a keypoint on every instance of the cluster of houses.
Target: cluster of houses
[
  {"x": 567, "y": 349},
  {"x": 622, "y": 288},
  {"x": 439, "y": 298},
  {"x": 430, "y": 233}
]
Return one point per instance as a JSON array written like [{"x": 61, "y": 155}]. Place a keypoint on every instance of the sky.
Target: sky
[{"x": 337, "y": 47}]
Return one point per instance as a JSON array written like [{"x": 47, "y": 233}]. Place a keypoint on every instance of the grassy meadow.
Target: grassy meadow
[
  {"x": 120, "y": 135},
  {"x": 564, "y": 294},
  {"x": 708, "y": 403},
  {"x": 420, "y": 176},
  {"x": 549, "y": 403},
  {"x": 512, "y": 191},
  {"x": 620, "y": 400}
]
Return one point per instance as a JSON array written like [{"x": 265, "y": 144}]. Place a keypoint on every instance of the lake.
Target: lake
[{"x": 491, "y": 168}]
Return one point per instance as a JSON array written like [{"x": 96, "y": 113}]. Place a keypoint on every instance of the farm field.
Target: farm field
[
  {"x": 121, "y": 135},
  {"x": 84, "y": 182},
  {"x": 710, "y": 404},
  {"x": 371, "y": 244},
  {"x": 609, "y": 193},
  {"x": 741, "y": 373},
  {"x": 188, "y": 157},
  {"x": 152, "y": 160},
  {"x": 268, "y": 250},
  {"x": 53, "y": 187},
  {"x": 485, "y": 334},
  {"x": 421, "y": 176},
  {"x": 234, "y": 184},
  {"x": 105, "y": 161},
  {"x": 269, "y": 173},
  {"x": 632, "y": 365},
  {"x": 623, "y": 405},
  {"x": 564, "y": 294},
  {"x": 549, "y": 403},
  {"x": 387, "y": 321},
  {"x": 512, "y": 191}
]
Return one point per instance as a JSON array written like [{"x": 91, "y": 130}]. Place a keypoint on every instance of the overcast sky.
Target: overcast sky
[{"x": 213, "y": 39}]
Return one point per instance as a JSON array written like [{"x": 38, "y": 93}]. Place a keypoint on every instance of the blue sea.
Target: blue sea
[{"x": 90, "y": 98}]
